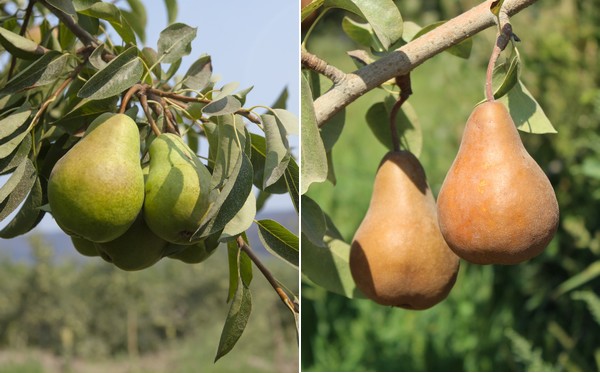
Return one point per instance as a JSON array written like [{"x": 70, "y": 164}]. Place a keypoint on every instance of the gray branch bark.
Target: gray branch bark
[{"x": 401, "y": 61}]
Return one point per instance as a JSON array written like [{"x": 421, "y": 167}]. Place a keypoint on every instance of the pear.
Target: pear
[
  {"x": 96, "y": 189},
  {"x": 177, "y": 190},
  {"x": 496, "y": 205},
  {"x": 193, "y": 254},
  {"x": 398, "y": 256},
  {"x": 84, "y": 247},
  {"x": 136, "y": 249}
]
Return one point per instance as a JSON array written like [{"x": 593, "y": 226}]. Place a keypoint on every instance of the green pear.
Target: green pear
[
  {"x": 136, "y": 249},
  {"x": 96, "y": 190},
  {"x": 195, "y": 253},
  {"x": 177, "y": 190},
  {"x": 84, "y": 247}
]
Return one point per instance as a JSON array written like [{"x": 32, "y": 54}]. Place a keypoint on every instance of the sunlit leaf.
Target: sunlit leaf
[
  {"x": 10, "y": 162},
  {"x": 407, "y": 125},
  {"x": 16, "y": 187},
  {"x": 314, "y": 157},
  {"x": 222, "y": 106},
  {"x": 313, "y": 221},
  {"x": 525, "y": 111},
  {"x": 242, "y": 220},
  {"x": 198, "y": 75},
  {"x": 236, "y": 321},
  {"x": 65, "y": 6},
  {"x": 175, "y": 42},
  {"x": 279, "y": 240},
  {"x": 231, "y": 141},
  {"x": 19, "y": 46},
  {"x": 44, "y": 70},
  {"x": 28, "y": 216},
  {"x": 278, "y": 155},
  {"x": 171, "y": 6}
]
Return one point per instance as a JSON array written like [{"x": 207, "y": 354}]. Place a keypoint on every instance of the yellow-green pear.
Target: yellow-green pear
[
  {"x": 84, "y": 247},
  {"x": 398, "y": 256},
  {"x": 136, "y": 249},
  {"x": 195, "y": 253},
  {"x": 96, "y": 190},
  {"x": 496, "y": 205},
  {"x": 177, "y": 190}
]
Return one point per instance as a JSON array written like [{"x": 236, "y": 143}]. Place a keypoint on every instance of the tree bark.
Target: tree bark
[{"x": 404, "y": 59}]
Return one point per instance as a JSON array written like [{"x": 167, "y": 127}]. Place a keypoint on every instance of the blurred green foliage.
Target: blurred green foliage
[
  {"x": 89, "y": 311},
  {"x": 540, "y": 315}
]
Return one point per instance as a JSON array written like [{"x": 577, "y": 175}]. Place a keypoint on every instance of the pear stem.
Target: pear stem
[
  {"x": 403, "y": 82},
  {"x": 127, "y": 97},
  {"x": 505, "y": 35},
  {"x": 144, "y": 102},
  {"x": 292, "y": 306}
]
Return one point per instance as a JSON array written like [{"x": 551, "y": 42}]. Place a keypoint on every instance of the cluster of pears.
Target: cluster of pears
[
  {"x": 131, "y": 216},
  {"x": 496, "y": 206}
]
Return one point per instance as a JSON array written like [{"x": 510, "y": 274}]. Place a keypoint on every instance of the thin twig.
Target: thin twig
[
  {"x": 322, "y": 67},
  {"x": 127, "y": 96},
  {"x": 144, "y": 102},
  {"x": 292, "y": 306},
  {"x": 505, "y": 34}
]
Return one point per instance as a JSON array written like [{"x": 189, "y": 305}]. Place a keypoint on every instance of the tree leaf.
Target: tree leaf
[
  {"x": 258, "y": 156},
  {"x": 242, "y": 220},
  {"x": 588, "y": 274},
  {"x": 198, "y": 75},
  {"x": 222, "y": 106},
  {"x": 361, "y": 33},
  {"x": 277, "y": 147},
  {"x": 65, "y": 6},
  {"x": 329, "y": 267},
  {"x": 382, "y": 15},
  {"x": 236, "y": 321},
  {"x": 313, "y": 155},
  {"x": 310, "y": 8},
  {"x": 240, "y": 267},
  {"x": 292, "y": 181},
  {"x": 226, "y": 90},
  {"x": 137, "y": 18},
  {"x": 462, "y": 49},
  {"x": 17, "y": 187},
  {"x": 289, "y": 121},
  {"x": 10, "y": 143},
  {"x": 12, "y": 123},
  {"x": 112, "y": 14},
  {"x": 279, "y": 241},
  {"x": 332, "y": 131},
  {"x": 44, "y": 70},
  {"x": 175, "y": 42},
  {"x": 280, "y": 102},
  {"x": 96, "y": 58},
  {"x": 19, "y": 46},
  {"x": 313, "y": 221},
  {"x": 525, "y": 111},
  {"x": 507, "y": 75},
  {"x": 230, "y": 130},
  {"x": 120, "y": 74},
  {"x": 29, "y": 215},
  {"x": 171, "y": 6},
  {"x": 10, "y": 162},
  {"x": 150, "y": 56}
]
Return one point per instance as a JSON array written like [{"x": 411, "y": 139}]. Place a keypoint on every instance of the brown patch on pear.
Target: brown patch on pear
[
  {"x": 496, "y": 205},
  {"x": 398, "y": 255}
]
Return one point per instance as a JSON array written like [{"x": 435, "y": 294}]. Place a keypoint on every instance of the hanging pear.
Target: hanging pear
[
  {"x": 177, "y": 190},
  {"x": 96, "y": 189},
  {"x": 398, "y": 256},
  {"x": 496, "y": 205}
]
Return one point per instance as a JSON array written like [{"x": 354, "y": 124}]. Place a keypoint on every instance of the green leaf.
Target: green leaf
[
  {"x": 44, "y": 70},
  {"x": 227, "y": 89},
  {"x": 12, "y": 142},
  {"x": 236, "y": 321},
  {"x": 407, "y": 125},
  {"x": 526, "y": 112},
  {"x": 240, "y": 267},
  {"x": 137, "y": 18},
  {"x": 231, "y": 141},
  {"x": 313, "y": 221},
  {"x": 17, "y": 187},
  {"x": 310, "y": 8},
  {"x": 383, "y": 16},
  {"x": 198, "y": 75},
  {"x": 171, "y": 6},
  {"x": 507, "y": 75},
  {"x": 277, "y": 147},
  {"x": 96, "y": 58},
  {"x": 588, "y": 274},
  {"x": 496, "y": 6},
  {"x": 150, "y": 56},
  {"x": 120, "y": 74},
  {"x": 65, "y": 6},
  {"x": 462, "y": 49},
  {"x": 231, "y": 199},
  {"x": 258, "y": 156},
  {"x": 592, "y": 300},
  {"x": 10, "y": 162},
  {"x": 361, "y": 33},
  {"x": 29, "y": 215},
  {"x": 175, "y": 42},
  {"x": 332, "y": 131},
  {"x": 242, "y": 220},
  {"x": 172, "y": 70},
  {"x": 112, "y": 14},
  {"x": 313, "y": 155},
  {"x": 279, "y": 241},
  {"x": 292, "y": 181},
  {"x": 12, "y": 123},
  {"x": 329, "y": 267},
  {"x": 288, "y": 120},
  {"x": 280, "y": 102},
  {"x": 222, "y": 106},
  {"x": 19, "y": 46}
]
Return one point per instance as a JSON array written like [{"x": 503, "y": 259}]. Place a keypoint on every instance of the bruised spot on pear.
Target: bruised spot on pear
[
  {"x": 398, "y": 256},
  {"x": 96, "y": 189},
  {"x": 496, "y": 205},
  {"x": 177, "y": 190}
]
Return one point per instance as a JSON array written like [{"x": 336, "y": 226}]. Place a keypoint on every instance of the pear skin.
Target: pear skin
[
  {"x": 96, "y": 189},
  {"x": 84, "y": 247},
  {"x": 496, "y": 205},
  {"x": 177, "y": 190},
  {"x": 398, "y": 256},
  {"x": 136, "y": 249}
]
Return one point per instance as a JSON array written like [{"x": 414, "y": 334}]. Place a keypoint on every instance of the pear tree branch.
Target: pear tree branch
[{"x": 348, "y": 87}]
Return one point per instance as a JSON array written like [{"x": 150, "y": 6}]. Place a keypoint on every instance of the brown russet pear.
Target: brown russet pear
[
  {"x": 96, "y": 190},
  {"x": 398, "y": 256},
  {"x": 496, "y": 205}
]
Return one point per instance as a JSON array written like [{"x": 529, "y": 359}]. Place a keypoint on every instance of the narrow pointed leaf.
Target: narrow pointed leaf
[
  {"x": 279, "y": 241},
  {"x": 14, "y": 159},
  {"x": 292, "y": 181},
  {"x": 175, "y": 42},
  {"x": 171, "y": 6},
  {"x": 525, "y": 111},
  {"x": 16, "y": 188},
  {"x": 12, "y": 123},
  {"x": 19, "y": 46},
  {"x": 28, "y": 216},
  {"x": 313, "y": 221},
  {"x": 289, "y": 121},
  {"x": 198, "y": 75},
  {"x": 44, "y": 70},
  {"x": 230, "y": 130},
  {"x": 236, "y": 321},
  {"x": 120, "y": 74},
  {"x": 314, "y": 157},
  {"x": 65, "y": 6},
  {"x": 223, "y": 106},
  {"x": 242, "y": 220},
  {"x": 278, "y": 155}
]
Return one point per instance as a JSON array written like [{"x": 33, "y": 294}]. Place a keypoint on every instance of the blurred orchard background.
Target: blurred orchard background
[
  {"x": 540, "y": 315},
  {"x": 62, "y": 312}
]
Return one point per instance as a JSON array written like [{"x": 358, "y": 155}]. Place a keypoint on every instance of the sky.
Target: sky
[{"x": 254, "y": 43}]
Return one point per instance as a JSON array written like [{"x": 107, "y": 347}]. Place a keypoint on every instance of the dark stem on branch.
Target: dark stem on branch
[
  {"x": 144, "y": 102},
  {"x": 403, "y": 82},
  {"x": 292, "y": 306},
  {"x": 505, "y": 34}
]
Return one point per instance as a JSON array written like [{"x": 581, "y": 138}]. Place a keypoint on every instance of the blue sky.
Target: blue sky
[{"x": 254, "y": 43}]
